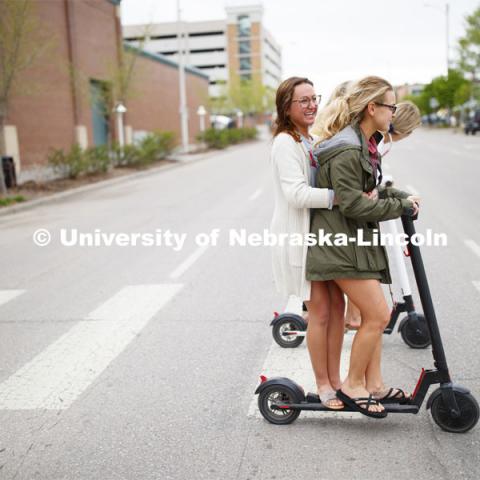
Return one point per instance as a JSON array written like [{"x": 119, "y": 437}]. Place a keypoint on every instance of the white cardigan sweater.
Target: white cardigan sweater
[{"x": 293, "y": 199}]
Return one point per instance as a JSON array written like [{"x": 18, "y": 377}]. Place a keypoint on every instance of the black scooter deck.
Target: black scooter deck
[{"x": 312, "y": 403}]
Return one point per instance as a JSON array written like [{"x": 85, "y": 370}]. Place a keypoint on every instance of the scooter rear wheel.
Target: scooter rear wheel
[
  {"x": 415, "y": 335},
  {"x": 284, "y": 326},
  {"x": 273, "y": 395},
  {"x": 469, "y": 413}
]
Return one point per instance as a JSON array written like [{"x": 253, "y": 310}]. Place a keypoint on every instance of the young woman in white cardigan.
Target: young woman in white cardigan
[{"x": 294, "y": 168}]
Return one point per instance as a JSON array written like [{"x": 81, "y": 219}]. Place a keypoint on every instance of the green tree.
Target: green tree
[
  {"x": 249, "y": 96},
  {"x": 448, "y": 91},
  {"x": 23, "y": 42},
  {"x": 469, "y": 49}
]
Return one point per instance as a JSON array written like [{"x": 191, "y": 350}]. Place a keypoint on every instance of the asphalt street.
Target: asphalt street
[{"x": 141, "y": 361}]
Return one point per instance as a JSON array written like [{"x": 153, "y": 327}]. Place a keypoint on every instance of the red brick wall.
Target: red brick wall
[
  {"x": 43, "y": 107},
  {"x": 96, "y": 45},
  {"x": 154, "y": 104}
]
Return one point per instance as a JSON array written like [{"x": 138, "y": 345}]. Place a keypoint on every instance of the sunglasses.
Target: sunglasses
[{"x": 393, "y": 108}]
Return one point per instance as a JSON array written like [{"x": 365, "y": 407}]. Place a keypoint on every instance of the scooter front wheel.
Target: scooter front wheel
[
  {"x": 415, "y": 333},
  {"x": 282, "y": 329},
  {"x": 275, "y": 395},
  {"x": 469, "y": 413}
]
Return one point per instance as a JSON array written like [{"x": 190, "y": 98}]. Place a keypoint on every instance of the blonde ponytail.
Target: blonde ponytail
[
  {"x": 332, "y": 118},
  {"x": 350, "y": 108}
]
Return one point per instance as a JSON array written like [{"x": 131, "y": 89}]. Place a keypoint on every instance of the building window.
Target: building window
[
  {"x": 243, "y": 25},
  {"x": 245, "y": 63},
  {"x": 244, "y": 46},
  {"x": 245, "y": 76}
]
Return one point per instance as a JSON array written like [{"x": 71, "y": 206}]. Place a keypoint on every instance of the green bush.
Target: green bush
[
  {"x": 153, "y": 147},
  {"x": 97, "y": 159},
  {"x": 123, "y": 157},
  {"x": 70, "y": 164},
  {"x": 4, "y": 202},
  {"x": 214, "y": 138},
  {"x": 222, "y": 138}
]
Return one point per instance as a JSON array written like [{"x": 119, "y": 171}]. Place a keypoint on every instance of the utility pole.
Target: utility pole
[
  {"x": 447, "y": 21},
  {"x": 181, "y": 81},
  {"x": 447, "y": 30}
]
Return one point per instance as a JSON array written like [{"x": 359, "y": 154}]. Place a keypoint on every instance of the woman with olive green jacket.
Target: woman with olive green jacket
[{"x": 346, "y": 168}]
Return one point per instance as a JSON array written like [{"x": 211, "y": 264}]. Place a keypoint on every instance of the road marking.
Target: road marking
[
  {"x": 255, "y": 194},
  {"x": 7, "y": 295},
  {"x": 184, "y": 266},
  {"x": 411, "y": 189},
  {"x": 473, "y": 246},
  {"x": 57, "y": 376},
  {"x": 294, "y": 363}
]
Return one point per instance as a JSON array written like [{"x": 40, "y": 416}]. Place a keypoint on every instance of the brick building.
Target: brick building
[
  {"x": 154, "y": 102},
  {"x": 61, "y": 99}
]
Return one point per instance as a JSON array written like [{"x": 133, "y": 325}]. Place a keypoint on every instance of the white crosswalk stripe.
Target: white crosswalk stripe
[
  {"x": 294, "y": 363},
  {"x": 65, "y": 369},
  {"x": 255, "y": 194},
  {"x": 7, "y": 295},
  {"x": 473, "y": 246}
]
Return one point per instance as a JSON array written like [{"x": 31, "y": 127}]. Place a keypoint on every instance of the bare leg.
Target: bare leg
[
  {"x": 353, "y": 318},
  {"x": 373, "y": 377},
  {"x": 368, "y": 296},
  {"x": 335, "y": 334},
  {"x": 317, "y": 334}
]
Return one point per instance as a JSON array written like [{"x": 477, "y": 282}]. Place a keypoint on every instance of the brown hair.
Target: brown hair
[{"x": 283, "y": 101}]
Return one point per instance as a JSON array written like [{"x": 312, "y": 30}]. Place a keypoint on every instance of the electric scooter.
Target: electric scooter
[
  {"x": 453, "y": 407},
  {"x": 289, "y": 329}
]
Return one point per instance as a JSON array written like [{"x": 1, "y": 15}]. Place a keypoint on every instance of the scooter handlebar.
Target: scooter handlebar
[{"x": 410, "y": 213}]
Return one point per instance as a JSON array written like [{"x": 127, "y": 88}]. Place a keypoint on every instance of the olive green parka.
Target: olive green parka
[{"x": 344, "y": 166}]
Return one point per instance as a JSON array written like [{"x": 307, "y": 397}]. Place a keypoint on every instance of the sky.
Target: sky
[{"x": 331, "y": 41}]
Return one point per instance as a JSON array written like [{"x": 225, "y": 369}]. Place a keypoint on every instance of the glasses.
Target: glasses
[
  {"x": 393, "y": 108},
  {"x": 304, "y": 102}
]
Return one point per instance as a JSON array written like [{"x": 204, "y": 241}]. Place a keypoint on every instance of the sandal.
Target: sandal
[
  {"x": 326, "y": 399},
  {"x": 361, "y": 404},
  {"x": 393, "y": 395}
]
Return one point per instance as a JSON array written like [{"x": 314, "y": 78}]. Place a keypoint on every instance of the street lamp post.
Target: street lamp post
[
  {"x": 239, "y": 119},
  {"x": 120, "y": 111},
  {"x": 447, "y": 30},
  {"x": 181, "y": 81},
  {"x": 201, "y": 112}
]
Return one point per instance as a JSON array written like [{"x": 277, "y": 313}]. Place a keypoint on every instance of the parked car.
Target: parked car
[
  {"x": 220, "y": 122},
  {"x": 473, "y": 123}
]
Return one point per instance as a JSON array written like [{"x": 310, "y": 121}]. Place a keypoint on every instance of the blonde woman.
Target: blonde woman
[
  {"x": 407, "y": 118},
  {"x": 350, "y": 165},
  {"x": 294, "y": 169}
]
